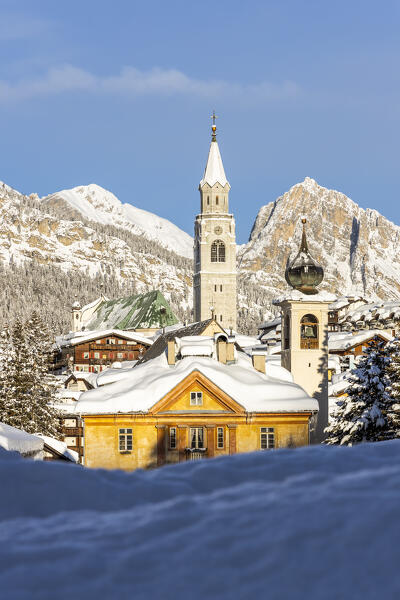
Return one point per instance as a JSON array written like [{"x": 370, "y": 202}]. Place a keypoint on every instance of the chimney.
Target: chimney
[
  {"x": 171, "y": 352},
  {"x": 230, "y": 349},
  {"x": 258, "y": 358},
  {"x": 221, "y": 350}
]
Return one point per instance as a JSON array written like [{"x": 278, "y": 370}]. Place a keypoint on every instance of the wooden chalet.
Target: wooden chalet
[{"x": 95, "y": 351}]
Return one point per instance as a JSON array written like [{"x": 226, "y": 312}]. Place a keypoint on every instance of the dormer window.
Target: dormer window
[{"x": 196, "y": 398}]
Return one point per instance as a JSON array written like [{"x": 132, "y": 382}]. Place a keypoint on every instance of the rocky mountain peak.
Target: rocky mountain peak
[{"x": 358, "y": 248}]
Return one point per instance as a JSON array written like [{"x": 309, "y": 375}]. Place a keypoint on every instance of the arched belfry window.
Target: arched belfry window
[
  {"x": 218, "y": 251},
  {"x": 309, "y": 332}
]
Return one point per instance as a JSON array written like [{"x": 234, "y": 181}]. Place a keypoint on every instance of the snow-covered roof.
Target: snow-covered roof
[
  {"x": 112, "y": 375},
  {"x": 17, "y": 440},
  {"x": 149, "y": 382},
  {"x": 271, "y": 323},
  {"x": 343, "y": 341},
  {"x": 322, "y": 296},
  {"x": 214, "y": 171},
  {"x": 60, "y": 448},
  {"x": 86, "y": 336}
]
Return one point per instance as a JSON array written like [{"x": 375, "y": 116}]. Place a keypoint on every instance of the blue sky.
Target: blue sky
[{"x": 120, "y": 94}]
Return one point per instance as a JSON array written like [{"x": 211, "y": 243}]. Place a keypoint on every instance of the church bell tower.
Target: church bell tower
[{"x": 214, "y": 282}]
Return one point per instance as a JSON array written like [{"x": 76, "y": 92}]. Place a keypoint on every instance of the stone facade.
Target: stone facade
[{"x": 214, "y": 279}]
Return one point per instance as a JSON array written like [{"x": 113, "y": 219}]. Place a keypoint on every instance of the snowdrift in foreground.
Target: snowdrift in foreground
[{"x": 318, "y": 522}]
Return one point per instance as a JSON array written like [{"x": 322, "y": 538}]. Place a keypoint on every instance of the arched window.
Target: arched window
[
  {"x": 208, "y": 199},
  {"x": 309, "y": 332},
  {"x": 218, "y": 251}
]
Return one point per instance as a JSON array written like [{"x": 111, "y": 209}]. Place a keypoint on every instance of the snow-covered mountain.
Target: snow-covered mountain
[
  {"x": 101, "y": 206},
  {"x": 358, "y": 249},
  {"x": 86, "y": 233}
]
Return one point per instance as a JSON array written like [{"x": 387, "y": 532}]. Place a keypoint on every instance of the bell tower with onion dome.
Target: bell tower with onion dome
[
  {"x": 214, "y": 281},
  {"x": 305, "y": 329}
]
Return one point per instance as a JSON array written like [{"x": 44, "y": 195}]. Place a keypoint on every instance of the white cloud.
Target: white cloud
[{"x": 133, "y": 82}]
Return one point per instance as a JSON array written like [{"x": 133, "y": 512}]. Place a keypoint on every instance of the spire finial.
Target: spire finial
[
  {"x": 214, "y": 127},
  {"x": 304, "y": 245}
]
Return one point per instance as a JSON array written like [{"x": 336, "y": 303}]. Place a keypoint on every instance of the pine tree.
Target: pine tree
[
  {"x": 362, "y": 416},
  {"x": 27, "y": 389},
  {"x": 393, "y": 412}
]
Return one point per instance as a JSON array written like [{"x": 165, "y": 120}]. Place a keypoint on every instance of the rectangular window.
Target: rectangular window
[
  {"x": 98, "y": 341},
  {"x": 172, "y": 438},
  {"x": 86, "y": 355},
  {"x": 220, "y": 437},
  {"x": 120, "y": 341},
  {"x": 267, "y": 438},
  {"x": 110, "y": 341},
  {"x": 220, "y": 318},
  {"x": 196, "y": 398},
  {"x": 120, "y": 354},
  {"x": 125, "y": 440},
  {"x": 215, "y": 288},
  {"x": 220, "y": 288},
  {"x": 97, "y": 354},
  {"x": 196, "y": 437}
]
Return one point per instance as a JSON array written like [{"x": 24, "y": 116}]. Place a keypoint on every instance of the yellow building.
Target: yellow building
[{"x": 201, "y": 397}]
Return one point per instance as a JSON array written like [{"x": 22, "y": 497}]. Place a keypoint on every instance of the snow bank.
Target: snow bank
[{"x": 317, "y": 522}]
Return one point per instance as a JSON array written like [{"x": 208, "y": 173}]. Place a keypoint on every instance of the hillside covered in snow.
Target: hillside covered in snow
[
  {"x": 96, "y": 204},
  {"x": 85, "y": 241},
  {"x": 315, "y": 522}
]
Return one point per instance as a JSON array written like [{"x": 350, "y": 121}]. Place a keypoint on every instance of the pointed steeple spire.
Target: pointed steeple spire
[{"x": 214, "y": 171}]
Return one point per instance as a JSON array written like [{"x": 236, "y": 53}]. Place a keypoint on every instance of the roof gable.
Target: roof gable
[{"x": 214, "y": 399}]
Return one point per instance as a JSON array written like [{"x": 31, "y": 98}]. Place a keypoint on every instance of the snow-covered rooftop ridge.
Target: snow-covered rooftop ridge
[
  {"x": 16, "y": 440},
  {"x": 60, "y": 448},
  {"x": 214, "y": 171},
  {"x": 322, "y": 296},
  {"x": 85, "y": 336},
  {"x": 149, "y": 382},
  {"x": 343, "y": 341}
]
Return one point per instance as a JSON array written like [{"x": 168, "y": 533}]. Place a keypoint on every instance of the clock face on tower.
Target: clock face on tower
[{"x": 218, "y": 230}]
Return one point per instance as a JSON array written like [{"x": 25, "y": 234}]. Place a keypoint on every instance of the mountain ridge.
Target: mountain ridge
[{"x": 357, "y": 248}]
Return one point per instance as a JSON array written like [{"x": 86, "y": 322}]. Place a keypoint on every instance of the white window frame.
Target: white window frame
[
  {"x": 97, "y": 354},
  {"x": 267, "y": 438},
  {"x": 172, "y": 438},
  {"x": 197, "y": 437},
  {"x": 86, "y": 355},
  {"x": 196, "y": 398},
  {"x": 220, "y": 438},
  {"x": 125, "y": 439}
]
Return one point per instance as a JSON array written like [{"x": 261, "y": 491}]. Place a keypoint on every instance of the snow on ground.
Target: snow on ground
[{"x": 317, "y": 522}]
